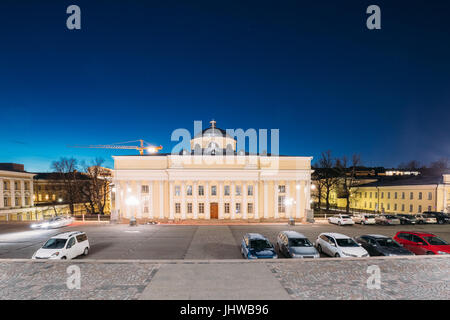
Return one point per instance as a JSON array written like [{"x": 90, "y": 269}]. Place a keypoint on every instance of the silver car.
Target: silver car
[{"x": 292, "y": 244}]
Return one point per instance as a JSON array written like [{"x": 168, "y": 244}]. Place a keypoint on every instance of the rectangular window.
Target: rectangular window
[
  {"x": 16, "y": 185},
  {"x": 145, "y": 209},
  {"x": 5, "y": 185},
  {"x": 189, "y": 208},
  {"x": 17, "y": 202},
  {"x": 227, "y": 208},
  {"x": 201, "y": 191},
  {"x": 430, "y": 196},
  {"x": 227, "y": 190},
  {"x": 420, "y": 195},
  {"x": 365, "y": 204},
  {"x": 238, "y": 190},
  {"x": 250, "y": 190},
  {"x": 281, "y": 204},
  {"x": 144, "y": 188},
  {"x": 250, "y": 207},
  {"x": 411, "y": 195},
  {"x": 189, "y": 190},
  {"x": 389, "y": 195},
  {"x": 282, "y": 188},
  {"x": 389, "y": 206},
  {"x": 27, "y": 201},
  {"x": 395, "y": 206},
  {"x": 365, "y": 194},
  {"x": 395, "y": 195},
  {"x": 370, "y": 205},
  {"x": 403, "y": 207},
  {"x": 177, "y": 191},
  {"x": 177, "y": 207},
  {"x": 376, "y": 195},
  {"x": 201, "y": 208},
  {"x": 403, "y": 195},
  {"x": 382, "y": 195},
  {"x": 370, "y": 195},
  {"x": 214, "y": 190},
  {"x": 411, "y": 208},
  {"x": 420, "y": 208},
  {"x": 429, "y": 208},
  {"x": 6, "y": 201},
  {"x": 238, "y": 207}
]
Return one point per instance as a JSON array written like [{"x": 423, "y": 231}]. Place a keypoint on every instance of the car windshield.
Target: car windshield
[
  {"x": 345, "y": 217},
  {"x": 55, "y": 244},
  {"x": 300, "y": 242},
  {"x": 435, "y": 241},
  {"x": 388, "y": 242},
  {"x": 260, "y": 244},
  {"x": 346, "y": 243}
]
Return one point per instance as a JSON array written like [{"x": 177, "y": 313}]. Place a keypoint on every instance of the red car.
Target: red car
[{"x": 422, "y": 243}]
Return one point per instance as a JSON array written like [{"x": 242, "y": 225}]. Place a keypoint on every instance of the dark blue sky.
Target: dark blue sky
[{"x": 140, "y": 69}]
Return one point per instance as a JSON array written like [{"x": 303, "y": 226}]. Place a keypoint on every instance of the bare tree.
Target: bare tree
[
  {"x": 66, "y": 171},
  {"x": 411, "y": 165},
  {"x": 348, "y": 178},
  {"x": 97, "y": 188},
  {"x": 328, "y": 175}
]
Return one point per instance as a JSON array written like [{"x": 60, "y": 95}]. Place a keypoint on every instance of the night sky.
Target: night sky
[{"x": 140, "y": 69}]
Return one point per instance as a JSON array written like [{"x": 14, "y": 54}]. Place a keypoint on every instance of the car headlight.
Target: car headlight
[
  {"x": 55, "y": 254},
  {"x": 442, "y": 252},
  {"x": 34, "y": 225}
]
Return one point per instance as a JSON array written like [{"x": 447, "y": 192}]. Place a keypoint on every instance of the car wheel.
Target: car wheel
[
  {"x": 430, "y": 253},
  {"x": 86, "y": 251},
  {"x": 337, "y": 255},
  {"x": 319, "y": 248},
  {"x": 339, "y": 223},
  {"x": 440, "y": 222},
  {"x": 63, "y": 258}
]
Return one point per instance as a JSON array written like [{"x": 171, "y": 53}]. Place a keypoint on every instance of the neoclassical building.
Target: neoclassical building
[{"x": 211, "y": 181}]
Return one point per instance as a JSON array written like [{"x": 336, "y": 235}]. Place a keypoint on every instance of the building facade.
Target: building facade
[
  {"x": 16, "y": 192},
  {"x": 212, "y": 181},
  {"x": 408, "y": 195}
]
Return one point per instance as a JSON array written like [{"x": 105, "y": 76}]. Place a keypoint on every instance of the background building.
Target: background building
[{"x": 212, "y": 181}]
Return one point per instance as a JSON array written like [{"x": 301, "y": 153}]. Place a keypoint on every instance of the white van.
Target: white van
[{"x": 67, "y": 245}]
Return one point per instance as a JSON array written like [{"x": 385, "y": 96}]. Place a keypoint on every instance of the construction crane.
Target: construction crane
[{"x": 143, "y": 145}]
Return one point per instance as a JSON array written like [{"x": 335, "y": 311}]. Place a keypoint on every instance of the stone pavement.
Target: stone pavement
[{"x": 419, "y": 277}]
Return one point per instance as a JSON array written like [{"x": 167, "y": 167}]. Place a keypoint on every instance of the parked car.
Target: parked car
[
  {"x": 67, "y": 245},
  {"x": 292, "y": 244},
  {"x": 425, "y": 219},
  {"x": 387, "y": 219},
  {"x": 379, "y": 245},
  {"x": 341, "y": 219},
  {"x": 440, "y": 216},
  {"x": 55, "y": 222},
  {"x": 339, "y": 245},
  {"x": 407, "y": 218},
  {"x": 422, "y": 242},
  {"x": 256, "y": 246},
  {"x": 364, "y": 218}
]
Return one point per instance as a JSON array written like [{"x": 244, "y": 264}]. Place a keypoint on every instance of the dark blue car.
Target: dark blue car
[{"x": 256, "y": 246}]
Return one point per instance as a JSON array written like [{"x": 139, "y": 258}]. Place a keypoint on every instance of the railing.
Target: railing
[
  {"x": 323, "y": 213},
  {"x": 91, "y": 217}
]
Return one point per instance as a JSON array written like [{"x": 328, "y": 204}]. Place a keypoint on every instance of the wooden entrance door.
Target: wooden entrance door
[{"x": 214, "y": 210}]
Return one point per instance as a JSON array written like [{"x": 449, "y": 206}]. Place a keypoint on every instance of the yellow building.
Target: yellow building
[
  {"x": 212, "y": 181},
  {"x": 402, "y": 195}
]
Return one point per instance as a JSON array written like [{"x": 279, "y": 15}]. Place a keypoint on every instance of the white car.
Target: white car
[
  {"x": 364, "y": 219},
  {"x": 339, "y": 245},
  {"x": 67, "y": 245},
  {"x": 341, "y": 219},
  {"x": 55, "y": 222}
]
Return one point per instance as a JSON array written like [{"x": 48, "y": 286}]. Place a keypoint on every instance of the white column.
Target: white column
[
  {"x": 116, "y": 199},
  {"x": 125, "y": 196},
  {"x": 1, "y": 193},
  {"x": 12, "y": 188},
  {"x": 275, "y": 194},
  {"x": 302, "y": 199},
  {"x": 221, "y": 195},
  {"x": 256, "y": 197},
  {"x": 171, "y": 204},
  {"x": 151, "y": 207},
  {"x": 244, "y": 198},
  {"x": 161, "y": 199},
  {"x": 308, "y": 195},
  {"x": 195, "y": 193},
  {"x": 183, "y": 200},
  {"x": 297, "y": 199},
  {"x": 233, "y": 202},
  {"x": 22, "y": 192},
  {"x": 139, "y": 196},
  {"x": 266, "y": 199},
  {"x": 207, "y": 205},
  {"x": 288, "y": 196},
  {"x": 31, "y": 193}
]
